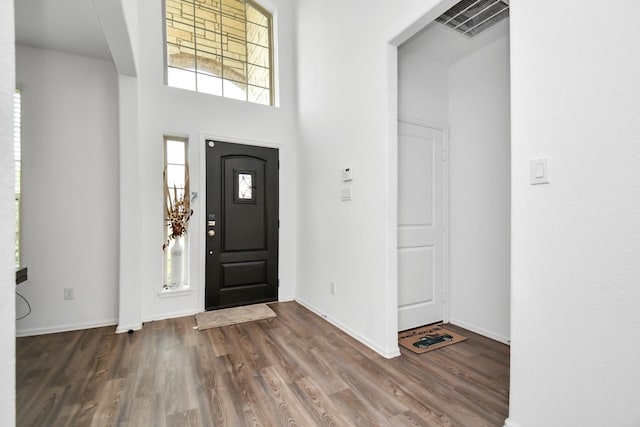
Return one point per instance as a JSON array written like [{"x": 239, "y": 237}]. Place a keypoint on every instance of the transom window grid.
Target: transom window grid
[
  {"x": 220, "y": 47},
  {"x": 17, "y": 161},
  {"x": 175, "y": 158}
]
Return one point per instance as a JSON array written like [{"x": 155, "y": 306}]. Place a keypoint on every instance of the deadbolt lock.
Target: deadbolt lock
[{"x": 211, "y": 233}]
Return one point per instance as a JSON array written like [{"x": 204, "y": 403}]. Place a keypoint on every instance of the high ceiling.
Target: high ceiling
[
  {"x": 70, "y": 26},
  {"x": 73, "y": 26}
]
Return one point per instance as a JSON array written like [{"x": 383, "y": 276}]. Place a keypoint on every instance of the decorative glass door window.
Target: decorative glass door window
[{"x": 244, "y": 186}]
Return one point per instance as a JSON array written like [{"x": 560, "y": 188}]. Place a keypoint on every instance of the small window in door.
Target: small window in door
[
  {"x": 244, "y": 186},
  {"x": 245, "y": 191}
]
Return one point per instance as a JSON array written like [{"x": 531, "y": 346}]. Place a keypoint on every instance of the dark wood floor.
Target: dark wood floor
[{"x": 294, "y": 370}]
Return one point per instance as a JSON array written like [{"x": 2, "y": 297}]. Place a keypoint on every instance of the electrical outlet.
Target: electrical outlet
[
  {"x": 332, "y": 288},
  {"x": 69, "y": 293}
]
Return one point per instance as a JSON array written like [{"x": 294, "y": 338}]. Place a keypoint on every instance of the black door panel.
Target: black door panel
[
  {"x": 242, "y": 225},
  {"x": 245, "y": 227}
]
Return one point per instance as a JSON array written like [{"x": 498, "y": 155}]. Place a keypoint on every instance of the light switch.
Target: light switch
[{"x": 539, "y": 172}]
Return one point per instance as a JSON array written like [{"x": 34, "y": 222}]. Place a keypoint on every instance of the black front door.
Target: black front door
[{"x": 242, "y": 225}]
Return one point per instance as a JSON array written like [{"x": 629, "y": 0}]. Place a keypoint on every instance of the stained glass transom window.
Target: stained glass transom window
[{"x": 220, "y": 47}]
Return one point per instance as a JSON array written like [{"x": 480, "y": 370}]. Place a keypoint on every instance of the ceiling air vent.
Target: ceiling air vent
[{"x": 471, "y": 17}]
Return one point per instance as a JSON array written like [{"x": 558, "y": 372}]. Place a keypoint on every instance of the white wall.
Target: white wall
[
  {"x": 576, "y": 241},
  {"x": 423, "y": 86},
  {"x": 69, "y": 189},
  {"x": 347, "y": 69},
  {"x": 129, "y": 303},
  {"x": 164, "y": 110},
  {"x": 479, "y": 191},
  {"x": 7, "y": 218}
]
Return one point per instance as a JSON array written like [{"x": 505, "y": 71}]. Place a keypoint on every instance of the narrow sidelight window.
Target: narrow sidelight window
[
  {"x": 177, "y": 212},
  {"x": 17, "y": 160}
]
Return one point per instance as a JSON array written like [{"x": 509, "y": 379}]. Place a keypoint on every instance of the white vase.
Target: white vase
[{"x": 177, "y": 262}]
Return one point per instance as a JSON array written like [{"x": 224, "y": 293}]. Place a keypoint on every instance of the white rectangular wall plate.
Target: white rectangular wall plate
[
  {"x": 346, "y": 194},
  {"x": 539, "y": 172}
]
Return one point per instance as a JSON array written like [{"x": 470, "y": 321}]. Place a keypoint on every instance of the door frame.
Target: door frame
[
  {"x": 200, "y": 241},
  {"x": 404, "y": 33},
  {"x": 445, "y": 208}
]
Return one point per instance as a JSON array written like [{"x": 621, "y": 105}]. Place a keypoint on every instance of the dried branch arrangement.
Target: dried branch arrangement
[{"x": 177, "y": 209}]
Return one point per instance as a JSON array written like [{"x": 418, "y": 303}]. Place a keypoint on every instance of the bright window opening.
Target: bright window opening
[
  {"x": 17, "y": 160},
  {"x": 177, "y": 213},
  {"x": 220, "y": 47},
  {"x": 245, "y": 190}
]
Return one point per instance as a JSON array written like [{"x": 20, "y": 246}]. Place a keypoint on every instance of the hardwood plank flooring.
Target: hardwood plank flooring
[{"x": 293, "y": 370}]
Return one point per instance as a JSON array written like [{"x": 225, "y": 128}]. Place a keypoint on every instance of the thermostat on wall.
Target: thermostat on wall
[{"x": 347, "y": 174}]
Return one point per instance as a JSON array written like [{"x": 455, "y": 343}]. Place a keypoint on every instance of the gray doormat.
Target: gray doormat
[{"x": 232, "y": 316}]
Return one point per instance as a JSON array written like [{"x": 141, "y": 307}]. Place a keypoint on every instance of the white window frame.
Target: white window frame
[{"x": 166, "y": 288}]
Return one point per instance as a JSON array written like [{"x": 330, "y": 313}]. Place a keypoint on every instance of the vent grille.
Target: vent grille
[{"x": 471, "y": 17}]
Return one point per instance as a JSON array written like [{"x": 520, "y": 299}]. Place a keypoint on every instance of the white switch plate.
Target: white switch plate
[
  {"x": 539, "y": 171},
  {"x": 346, "y": 194}
]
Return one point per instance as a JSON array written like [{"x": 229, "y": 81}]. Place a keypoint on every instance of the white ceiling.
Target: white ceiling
[
  {"x": 70, "y": 26},
  {"x": 446, "y": 46}
]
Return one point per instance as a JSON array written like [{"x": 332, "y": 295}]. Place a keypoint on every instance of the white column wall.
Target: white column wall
[
  {"x": 576, "y": 241},
  {"x": 7, "y": 218}
]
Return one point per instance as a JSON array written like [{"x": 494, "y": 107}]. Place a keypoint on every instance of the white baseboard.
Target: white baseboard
[
  {"x": 162, "y": 316},
  {"x": 137, "y": 326},
  {"x": 173, "y": 315},
  {"x": 509, "y": 423},
  {"x": 126, "y": 328},
  {"x": 381, "y": 351},
  {"x": 65, "y": 328},
  {"x": 481, "y": 331}
]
